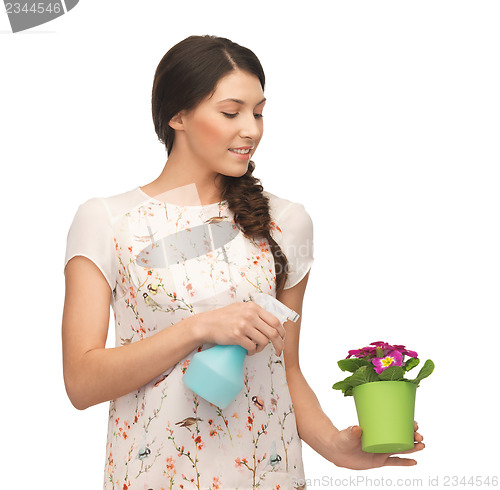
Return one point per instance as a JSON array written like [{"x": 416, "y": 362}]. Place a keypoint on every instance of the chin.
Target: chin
[{"x": 235, "y": 171}]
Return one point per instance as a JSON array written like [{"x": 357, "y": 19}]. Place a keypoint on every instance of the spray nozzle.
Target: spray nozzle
[{"x": 275, "y": 307}]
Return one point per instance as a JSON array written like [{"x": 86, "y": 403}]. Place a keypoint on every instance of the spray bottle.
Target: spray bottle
[{"x": 216, "y": 374}]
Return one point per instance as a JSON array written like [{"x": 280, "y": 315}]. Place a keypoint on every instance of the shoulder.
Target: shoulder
[
  {"x": 92, "y": 212},
  {"x": 292, "y": 229},
  {"x": 277, "y": 205},
  {"x": 110, "y": 208},
  {"x": 286, "y": 212}
]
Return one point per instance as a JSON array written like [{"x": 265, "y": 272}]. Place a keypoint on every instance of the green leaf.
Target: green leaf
[
  {"x": 352, "y": 364},
  {"x": 340, "y": 385},
  {"x": 343, "y": 385},
  {"x": 426, "y": 370},
  {"x": 392, "y": 373},
  {"x": 365, "y": 374},
  {"x": 411, "y": 363}
]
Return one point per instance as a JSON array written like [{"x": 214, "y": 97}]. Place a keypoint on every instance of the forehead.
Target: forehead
[{"x": 239, "y": 85}]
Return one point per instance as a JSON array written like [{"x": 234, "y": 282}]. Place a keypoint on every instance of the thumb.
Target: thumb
[{"x": 353, "y": 432}]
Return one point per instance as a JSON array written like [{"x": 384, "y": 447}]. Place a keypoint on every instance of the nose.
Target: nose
[{"x": 251, "y": 127}]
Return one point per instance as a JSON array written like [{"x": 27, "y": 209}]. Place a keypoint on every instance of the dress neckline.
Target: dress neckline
[{"x": 197, "y": 206}]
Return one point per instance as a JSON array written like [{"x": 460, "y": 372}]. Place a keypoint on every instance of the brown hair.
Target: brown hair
[{"x": 187, "y": 74}]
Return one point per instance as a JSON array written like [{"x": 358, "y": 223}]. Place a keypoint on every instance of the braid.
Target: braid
[
  {"x": 251, "y": 213},
  {"x": 186, "y": 75}
]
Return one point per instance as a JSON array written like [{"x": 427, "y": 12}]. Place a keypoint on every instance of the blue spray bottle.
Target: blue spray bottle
[{"x": 216, "y": 374}]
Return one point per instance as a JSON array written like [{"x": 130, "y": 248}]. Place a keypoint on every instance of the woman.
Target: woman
[{"x": 154, "y": 254}]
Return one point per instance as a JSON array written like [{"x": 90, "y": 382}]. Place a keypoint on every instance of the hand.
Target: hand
[
  {"x": 347, "y": 450},
  {"x": 244, "y": 323}
]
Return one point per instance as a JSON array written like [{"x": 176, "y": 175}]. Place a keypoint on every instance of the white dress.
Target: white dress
[{"x": 163, "y": 264}]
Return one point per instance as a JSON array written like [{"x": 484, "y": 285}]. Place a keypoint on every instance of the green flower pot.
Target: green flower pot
[{"x": 386, "y": 412}]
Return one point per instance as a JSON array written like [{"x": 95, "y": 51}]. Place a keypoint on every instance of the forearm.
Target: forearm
[
  {"x": 107, "y": 373},
  {"x": 314, "y": 426}
]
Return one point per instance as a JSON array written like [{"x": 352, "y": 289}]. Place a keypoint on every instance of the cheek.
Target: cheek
[
  {"x": 212, "y": 132},
  {"x": 261, "y": 131}
]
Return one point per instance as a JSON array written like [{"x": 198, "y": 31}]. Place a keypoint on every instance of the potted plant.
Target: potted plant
[{"x": 384, "y": 398}]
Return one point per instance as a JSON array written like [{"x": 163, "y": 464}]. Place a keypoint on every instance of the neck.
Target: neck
[{"x": 185, "y": 184}]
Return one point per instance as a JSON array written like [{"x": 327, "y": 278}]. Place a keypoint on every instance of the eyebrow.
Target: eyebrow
[{"x": 238, "y": 101}]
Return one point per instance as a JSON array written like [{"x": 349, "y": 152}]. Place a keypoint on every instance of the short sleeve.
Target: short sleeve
[
  {"x": 295, "y": 237},
  {"x": 91, "y": 235}
]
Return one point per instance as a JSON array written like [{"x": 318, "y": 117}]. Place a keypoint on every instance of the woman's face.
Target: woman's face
[{"x": 222, "y": 133}]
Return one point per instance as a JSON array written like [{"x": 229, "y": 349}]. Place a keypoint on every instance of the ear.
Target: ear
[{"x": 177, "y": 122}]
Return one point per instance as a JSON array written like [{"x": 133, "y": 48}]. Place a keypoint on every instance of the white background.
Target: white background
[{"x": 382, "y": 119}]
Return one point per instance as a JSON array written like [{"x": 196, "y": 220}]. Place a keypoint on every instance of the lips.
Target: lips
[
  {"x": 243, "y": 155},
  {"x": 240, "y": 151}
]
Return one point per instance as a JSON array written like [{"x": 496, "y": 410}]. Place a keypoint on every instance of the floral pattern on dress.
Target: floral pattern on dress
[{"x": 162, "y": 435}]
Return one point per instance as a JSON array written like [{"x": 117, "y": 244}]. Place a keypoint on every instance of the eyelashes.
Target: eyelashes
[{"x": 230, "y": 115}]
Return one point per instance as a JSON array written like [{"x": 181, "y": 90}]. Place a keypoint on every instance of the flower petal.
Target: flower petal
[
  {"x": 378, "y": 366},
  {"x": 397, "y": 356}
]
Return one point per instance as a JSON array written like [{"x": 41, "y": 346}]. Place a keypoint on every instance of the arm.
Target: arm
[
  {"x": 94, "y": 374},
  {"x": 341, "y": 447},
  {"x": 314, "y": 426}
]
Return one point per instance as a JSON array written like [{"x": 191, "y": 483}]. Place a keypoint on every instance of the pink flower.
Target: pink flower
[
  {"x": 394, "y": 358},
  {"x": 355, "y": 353},
  {"x": 379, "y": 350},
  {"x": 382, "y": 345},
  {"x": 365, "y": 351},
  {"x": 402, "y": 349}
]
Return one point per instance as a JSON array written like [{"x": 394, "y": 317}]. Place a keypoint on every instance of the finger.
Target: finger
[
  {"x": 281, "y": 329},
  {"x": 397, "y": 461},
  {"x": 418, "y": 437},
  {"x": 250, "y": 346},
  {"x": 417, "y": 447},
  {"x": 271, "y": 321},
  {"x": 259, "y": 339},
  {"x": 271, "y": 334},
  {"x": 354, "y": 432},
  {"x": 415, "y": 425}
]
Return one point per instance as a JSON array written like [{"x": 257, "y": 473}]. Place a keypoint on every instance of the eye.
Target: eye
[{"x": 231, "y": 115}]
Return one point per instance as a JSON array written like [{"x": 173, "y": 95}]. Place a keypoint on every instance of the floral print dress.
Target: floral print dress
[{"x": 165, "y": 262}]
